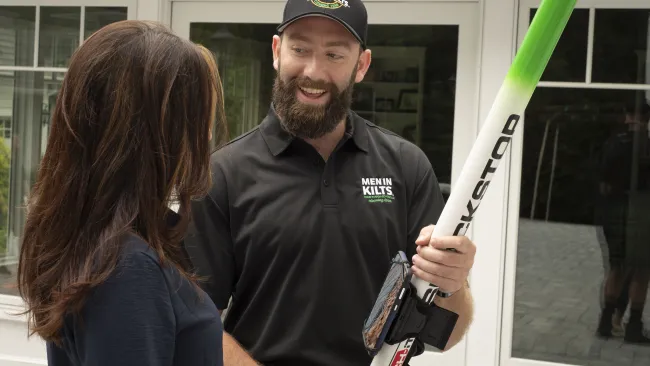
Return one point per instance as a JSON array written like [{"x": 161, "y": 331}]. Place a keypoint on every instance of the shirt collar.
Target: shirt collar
[{"x": 278, "y": 139}]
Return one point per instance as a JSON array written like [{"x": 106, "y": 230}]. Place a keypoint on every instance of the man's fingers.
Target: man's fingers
[
  {"x": 425, "y": 235},
  {"x": 443, "y": 261},
  {"x": 437, "y": 269},
  {"x": 460, "y": 244},
  {"x": 445, "y": 284},
  {"x": 448, "y": 242},
  {"x": 427, "y": 230},
  {"x": 448, "y": 258}
]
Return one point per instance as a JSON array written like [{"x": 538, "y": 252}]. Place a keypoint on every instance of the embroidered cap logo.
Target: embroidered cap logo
[{"x": 332, "y": 4}]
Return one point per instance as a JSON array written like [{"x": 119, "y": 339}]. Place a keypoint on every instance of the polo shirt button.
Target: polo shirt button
[{"x": 326, "y": 183}]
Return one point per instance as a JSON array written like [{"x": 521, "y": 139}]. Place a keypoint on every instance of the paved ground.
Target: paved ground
[{"x": 559, "y": 277}]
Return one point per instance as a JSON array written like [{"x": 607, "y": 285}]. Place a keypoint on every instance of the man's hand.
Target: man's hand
[
  {"x": 235, "y": 354},
  {"x": 444, "y": 268}
]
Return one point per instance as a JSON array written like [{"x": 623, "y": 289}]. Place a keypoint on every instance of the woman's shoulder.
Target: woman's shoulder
[
  {"x": 140, "y": 295},
  {"x": 138, "y": 257},
  {"x": 140, "y": 273},
  {"x": 138, "y": 269},
  {"x": 139, "y": 262},
  {"x": 136, "y": 248}
]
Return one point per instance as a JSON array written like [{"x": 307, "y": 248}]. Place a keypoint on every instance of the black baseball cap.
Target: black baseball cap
[{"x": 350, "y": 13}]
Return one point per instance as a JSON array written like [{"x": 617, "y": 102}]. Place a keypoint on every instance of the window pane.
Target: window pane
[
  {"x": 244, "y": 60},
  {"x": 17, "y": 26},
  {"x": 409, "y": 89},
  {"x": 569, "y": 60},
  {"x": 584, "y": 218},
  {"x": 621, "y": 40},
  {"x": 411, "y": 83},
  {"x": 59, "y": 35},
  {"x": 97, "y": 18},
  {"x": 26, "y": 99}
]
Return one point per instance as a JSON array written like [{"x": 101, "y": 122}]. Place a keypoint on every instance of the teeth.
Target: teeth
[{"x": 313, "y": 91}]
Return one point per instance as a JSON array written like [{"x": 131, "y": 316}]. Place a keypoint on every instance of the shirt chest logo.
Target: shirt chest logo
[{"x": 377, "y": 189}]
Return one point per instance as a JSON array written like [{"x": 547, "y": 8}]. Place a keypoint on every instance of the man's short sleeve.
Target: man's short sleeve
[
  {"x": 209, "y": 243},
  {"x": 426, "y": 201}
]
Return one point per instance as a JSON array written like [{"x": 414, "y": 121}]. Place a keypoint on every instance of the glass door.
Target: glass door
[
  {"x": 578, "y": 247},
  {"x": 421, "y": 83}
]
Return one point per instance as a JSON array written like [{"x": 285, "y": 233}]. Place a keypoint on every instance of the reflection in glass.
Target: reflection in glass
[
  {"x": 58, "y": 35},
  {"x": 98, "y": 17},
  {"x": 409, "y": 88},
  {"x": 569, "y": 60},
  {"x": 17, "y": 26},
  {"x": 621, "y": 39},
  {"x": 584, "y": 229},
  {"x": 26, "y": 100},
  {"x": 411, "y": 81},
  {"x": 246, "y": 67}
]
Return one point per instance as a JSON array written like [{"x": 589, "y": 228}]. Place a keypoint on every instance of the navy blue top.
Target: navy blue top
[{"x": 143, "y": 315}]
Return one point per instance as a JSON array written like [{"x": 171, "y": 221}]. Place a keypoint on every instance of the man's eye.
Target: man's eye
[{"x": 334, "y": 56}]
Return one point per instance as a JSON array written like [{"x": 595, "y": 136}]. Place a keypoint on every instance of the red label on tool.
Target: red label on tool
[{"x": 399, "y": 358}]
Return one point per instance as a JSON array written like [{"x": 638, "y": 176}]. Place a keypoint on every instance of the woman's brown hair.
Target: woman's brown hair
[{"x": 129, "y": 136}]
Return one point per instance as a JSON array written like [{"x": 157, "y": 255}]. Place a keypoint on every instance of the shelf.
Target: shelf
[
  {"x": 388, "y": 112},
  {"x": 391, "y": 94}
]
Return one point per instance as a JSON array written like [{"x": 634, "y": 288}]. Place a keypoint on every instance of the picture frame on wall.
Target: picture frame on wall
[
  {"x": 384, "y": 104},
  {"x": 408, "y": 100}
]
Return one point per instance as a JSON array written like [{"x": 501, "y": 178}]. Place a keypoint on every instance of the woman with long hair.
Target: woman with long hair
[{"x": 102, "y": 268}]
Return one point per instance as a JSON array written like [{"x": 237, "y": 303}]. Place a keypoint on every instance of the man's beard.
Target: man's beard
[{"x": 305, "y": 120}]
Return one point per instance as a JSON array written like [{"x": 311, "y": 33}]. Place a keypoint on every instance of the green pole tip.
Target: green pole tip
[{"x": 540, "y": 41}]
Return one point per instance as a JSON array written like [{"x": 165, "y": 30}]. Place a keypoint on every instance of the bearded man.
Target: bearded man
[{"x": 307, "y": 210}]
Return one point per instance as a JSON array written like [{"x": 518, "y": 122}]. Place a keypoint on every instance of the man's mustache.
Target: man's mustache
[{"x": 305, "y": 82}]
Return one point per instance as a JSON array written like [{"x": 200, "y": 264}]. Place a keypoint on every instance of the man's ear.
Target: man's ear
[
  {"x": 362, "y": 65},
  {"x": 275, "y": 45}
]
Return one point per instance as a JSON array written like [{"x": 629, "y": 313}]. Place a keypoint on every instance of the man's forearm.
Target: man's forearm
[
  {"x": 234, "y": 354},
  {"x": 462, "y": 304}
]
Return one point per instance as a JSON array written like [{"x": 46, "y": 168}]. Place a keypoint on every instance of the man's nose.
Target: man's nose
[{"x": 314, "y": 69}]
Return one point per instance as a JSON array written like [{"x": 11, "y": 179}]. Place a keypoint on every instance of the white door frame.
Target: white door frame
[
  {"x": 514, "y": 186},
  {"x": 465, "y": 14}
]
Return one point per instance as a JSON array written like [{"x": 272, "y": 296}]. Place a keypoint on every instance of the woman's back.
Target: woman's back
[
  {"x": 144, "y": 314},
  {"x": 101, "y": 268}
]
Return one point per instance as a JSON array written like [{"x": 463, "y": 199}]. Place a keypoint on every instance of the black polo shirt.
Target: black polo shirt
[{"x": 302, "y": 244}]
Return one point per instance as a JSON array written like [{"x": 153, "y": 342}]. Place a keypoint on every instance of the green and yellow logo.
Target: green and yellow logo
[{"x": 332, "y": 4}]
